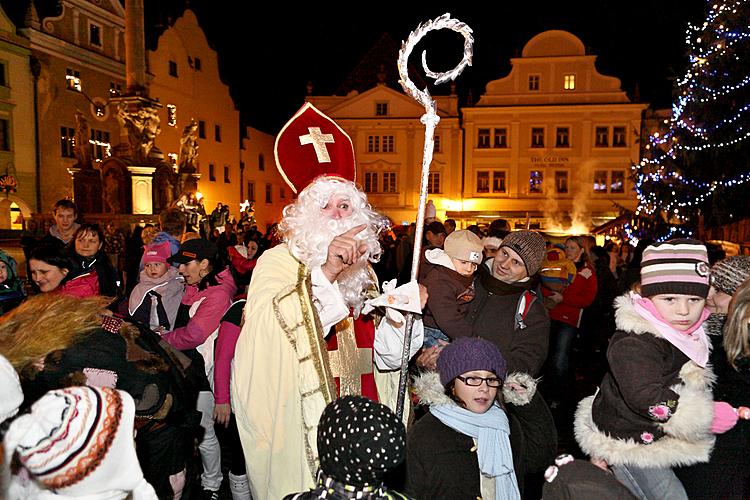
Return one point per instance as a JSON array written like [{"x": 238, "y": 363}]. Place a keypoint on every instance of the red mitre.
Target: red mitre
[{"x": 312, "y": 144}]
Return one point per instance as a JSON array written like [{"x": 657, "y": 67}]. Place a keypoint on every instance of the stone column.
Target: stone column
[
  {"x": 135, "y": 48},
  {"x": 142, "y": 179}
]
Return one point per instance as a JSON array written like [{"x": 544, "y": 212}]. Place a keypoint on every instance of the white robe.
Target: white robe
[{"x": 281, "y": 379}]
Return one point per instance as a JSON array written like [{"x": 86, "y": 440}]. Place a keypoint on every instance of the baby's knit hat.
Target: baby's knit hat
[
  {"x": 530, "y": 246},
  {"x": 466, "y": 354},
  {"x": 677, "y": 266},
  {"x": 359, "y": 440},
  {"x": 157, "y": 252},
  {"x": 78, "y": 442},
  {"x": 728, "y": 274},
  {"x": 464, "y": 245}
]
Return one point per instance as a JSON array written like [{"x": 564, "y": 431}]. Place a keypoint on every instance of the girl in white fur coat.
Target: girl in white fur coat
[{"x": 654, "y": 408}]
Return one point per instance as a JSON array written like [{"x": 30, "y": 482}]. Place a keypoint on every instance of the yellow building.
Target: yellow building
[
  {"x": 389, "y": 141},
  {"x": 550, "y": 144},
  {"x": 260, "y": 181},
  {"x": 81, "y": 58},
  {"x": 16, "y": 127},
  {"x": 186, "y": 81}
]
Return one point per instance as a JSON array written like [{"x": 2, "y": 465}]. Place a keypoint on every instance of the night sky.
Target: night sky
[{"x": 268, "y": 54}]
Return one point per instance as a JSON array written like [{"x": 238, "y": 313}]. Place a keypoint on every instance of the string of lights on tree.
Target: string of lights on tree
[{"x": 668, "y": 178}]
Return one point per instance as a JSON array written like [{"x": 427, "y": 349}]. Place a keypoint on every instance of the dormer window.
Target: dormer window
[
  {"x": 534, "y": 83},
  {"x": 569, "y": 82},
  {"x": 381, "y": 109}
]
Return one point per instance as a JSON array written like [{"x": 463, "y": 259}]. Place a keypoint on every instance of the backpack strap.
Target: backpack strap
[{"x": 524, "y": 305}]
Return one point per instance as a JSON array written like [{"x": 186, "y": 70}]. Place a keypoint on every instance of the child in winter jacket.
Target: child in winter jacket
[
  {"x": 449, "y": 279},
  {"x": 156, "y": 298},
  {"x": 654, "y": 409}
]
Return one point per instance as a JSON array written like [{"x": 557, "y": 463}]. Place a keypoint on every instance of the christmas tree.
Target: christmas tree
[{"x": 694, "y": 163}]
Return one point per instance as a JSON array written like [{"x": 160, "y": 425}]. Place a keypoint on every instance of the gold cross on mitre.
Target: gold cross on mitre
[
  {"x": 318, "y": 140},
  {"x": 349, "y": 362}
]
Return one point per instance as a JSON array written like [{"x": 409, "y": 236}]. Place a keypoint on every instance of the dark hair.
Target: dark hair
[
  {"x": 217, "y": 265},
  {"x": 65, "y": 204},
  {"x": 55, "y": 255},
  {"x": 88, "y": 228},
  {"x": 172, "y": 221}
]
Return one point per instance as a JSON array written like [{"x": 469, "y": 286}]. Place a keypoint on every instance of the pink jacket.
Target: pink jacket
[
  {"x": 85, "y": 285},
  {"x": 229, "y": 332},
  {"x": 214, "y": 302}
]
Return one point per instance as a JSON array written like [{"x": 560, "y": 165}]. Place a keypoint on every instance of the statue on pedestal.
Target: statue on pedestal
[
  {"x": 82, "y": 148},
  {"x": 142, "y": 127},
  {"x": 189, "y": 147}
]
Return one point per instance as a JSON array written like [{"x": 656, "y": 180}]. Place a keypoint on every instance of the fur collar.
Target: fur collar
[
  {"x": 429, "y": 390},
  {"x": 627, "y": 318}
]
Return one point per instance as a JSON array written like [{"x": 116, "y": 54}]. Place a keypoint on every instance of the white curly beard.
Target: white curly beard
[{"x": 308, "y": 233}]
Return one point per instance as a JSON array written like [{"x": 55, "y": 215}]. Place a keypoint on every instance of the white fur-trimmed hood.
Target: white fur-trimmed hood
[
  {"x": 627, "y": 318},
  {"x": 431, "y": 392}
]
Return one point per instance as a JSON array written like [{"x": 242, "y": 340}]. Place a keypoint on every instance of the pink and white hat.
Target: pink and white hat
[
  {"x": 157, "y": 252},
  {"x": 677, "y": 266}
]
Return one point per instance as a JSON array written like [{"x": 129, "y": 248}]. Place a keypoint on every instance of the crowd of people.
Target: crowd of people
[{"x": 537, "y": 368}]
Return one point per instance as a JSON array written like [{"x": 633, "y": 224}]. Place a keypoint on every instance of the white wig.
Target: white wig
[{"x": 308, "y": 233}]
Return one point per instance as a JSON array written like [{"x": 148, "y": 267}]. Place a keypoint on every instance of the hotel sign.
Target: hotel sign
[{"x": 550, "y": 161}]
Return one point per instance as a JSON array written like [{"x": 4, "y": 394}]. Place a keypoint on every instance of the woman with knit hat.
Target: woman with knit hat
[
  {"x": 727, "y": 474},
  {"x": 461, "y": 449},
  {"x": 654, "y": 409}
]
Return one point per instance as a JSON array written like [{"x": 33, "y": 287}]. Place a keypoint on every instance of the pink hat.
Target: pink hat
[{"x": 157, "y": 252}]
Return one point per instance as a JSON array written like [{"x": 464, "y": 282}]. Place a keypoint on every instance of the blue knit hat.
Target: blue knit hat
[{"x": 467, "y": 354}]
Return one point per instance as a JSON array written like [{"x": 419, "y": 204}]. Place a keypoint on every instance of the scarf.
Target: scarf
[
  {"x": 491, "y": 431},
  {"x": 692, "y": 342}
]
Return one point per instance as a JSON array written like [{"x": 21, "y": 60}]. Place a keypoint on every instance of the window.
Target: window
[
  {"x": 380, "y": 144},
  {"x": 381, "y": 109},
  {"x": 373, "y": 143},
  {"x": 618, "y": 137},
  {"x": 569, "y": 82},
  {"x": 618, "y": 182},
  {"x": 67, "y": 142},
  {"x": 73, "y": 79},
  {"x": 433, "y": 183},
  {"x": 201, "y": 129},
  {"x": 561, "y": 181},
  {"x": 371, "y": 182},
  {"x": 537, "y": 137},
  {"x": 269, "y": 194},
  {"x": 261, "y": 162},
  {"x": 600, "y": 181},
  {"x": 436, "y": 145},
  {"x": 197, "y": 64},
  {"x": 211, "y": 172},
  {"x": 282, "y": 193},
  {"x": 562, "y": 137},
  {"x": 173, "y": 69},
  {"x": 226, "y": 174},
  {"x": 4, "y": 135},
  {"x": 501, "y": 138},
  {"x": 251, "y": 190},
  {"x": 171, "y": 115},
  {"x": 389, "y": 182},
  {"x": 602, "y": 137},
  {"x": 534, "y": 82},
  {"x": 483, "y": 182},
  {"x": 95, "y": 35},
  {"x": 498, "y": 181},
  {"x": 388, "y": 143},
  {"x": 217, "y": 133},
  {"x": 100, "y": 141},
  {"x": 483, "y": 138},
  {"x": 535, "y": 181},
  {"x": 115, "y": 89},
  {"x": 3, "y": 76}
]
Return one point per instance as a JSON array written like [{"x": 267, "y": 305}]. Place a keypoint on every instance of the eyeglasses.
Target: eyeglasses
[{"x": 477, "y": 381}]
